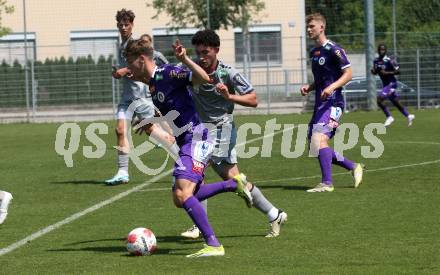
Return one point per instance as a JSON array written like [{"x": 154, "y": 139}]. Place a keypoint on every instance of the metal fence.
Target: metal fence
[
  {"x": 418, "y": 82},
  {"x": 82, "y": 87},
  {"x": 70, "y": 88}
]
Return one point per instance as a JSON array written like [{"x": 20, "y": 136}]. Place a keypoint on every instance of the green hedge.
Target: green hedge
[{"x": 60, "y": 82}]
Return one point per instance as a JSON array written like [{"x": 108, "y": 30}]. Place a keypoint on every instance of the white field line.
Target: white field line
[
  {"x": 98, "y": 206},
  {"x": 119, "y": 196},
  {"x": 155, "y": 189},
  {"x": 78, "y": 215},
  {"x": 318, "y": 176},
  {"x": 370, "y": 170},
  {"x": 345, "y": 173}
]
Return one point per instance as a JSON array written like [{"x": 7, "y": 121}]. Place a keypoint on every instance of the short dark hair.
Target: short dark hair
[
  {"x": 381, "y": 45},
  {"x": 207, "y": 38},
  {"x": 125, "y": 15},
  {"x": 138, "y": 47}
]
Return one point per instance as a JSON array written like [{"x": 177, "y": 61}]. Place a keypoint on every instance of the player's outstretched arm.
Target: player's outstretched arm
[
  {"x": 248, "y": 100},
  {"x": 199, "y": 75},
  {"x": 121, "y": 72}
]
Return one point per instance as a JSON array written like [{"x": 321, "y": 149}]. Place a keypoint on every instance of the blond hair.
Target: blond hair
[
  {"x": 146, "y": 37},
  {"x": 316, "y": 16}
]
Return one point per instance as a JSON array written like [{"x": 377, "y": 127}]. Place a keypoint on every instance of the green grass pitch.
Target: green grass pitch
[{"x": 390, "y": 225}]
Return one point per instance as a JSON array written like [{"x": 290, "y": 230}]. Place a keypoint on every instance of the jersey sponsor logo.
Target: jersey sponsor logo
[
  {"x": 178, "y": 75},
  {"x": 338, "y": 54},
  {"x": 321, "y": 61},
  {"x": 198, "y": 167},
  {"x": 161, "y": 97}
]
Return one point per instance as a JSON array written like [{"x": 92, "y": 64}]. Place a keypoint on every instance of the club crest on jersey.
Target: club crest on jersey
[
  {"x": 321, "y": 60},
  {"x": 160, "y": 96},
  {"x": 222, "y": 73}
]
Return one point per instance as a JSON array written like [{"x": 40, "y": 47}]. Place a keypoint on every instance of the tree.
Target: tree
[
  {"x": 222, "y": 14},
  {"x": 4, "y": 8},
  {"x": 417, "y": 22}
]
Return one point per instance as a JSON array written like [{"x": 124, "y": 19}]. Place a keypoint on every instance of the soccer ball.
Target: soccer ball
[{"x": 141, "y": 242}]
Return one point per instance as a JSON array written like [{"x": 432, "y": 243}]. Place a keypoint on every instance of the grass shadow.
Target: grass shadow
[
  {"x": 285, "y": 187},
  {"x": 79, "y": 182}
]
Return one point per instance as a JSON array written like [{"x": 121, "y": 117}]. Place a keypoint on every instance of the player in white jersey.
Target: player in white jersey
[
  {"x": 215, "y": 104},
  {"x": 132, "y": 91},
  {"x": 5, "y": 199},
  {"x": 158, "y": 57}
]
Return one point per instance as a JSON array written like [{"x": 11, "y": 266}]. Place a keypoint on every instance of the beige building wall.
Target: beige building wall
[{"x": 53, "y": 20}]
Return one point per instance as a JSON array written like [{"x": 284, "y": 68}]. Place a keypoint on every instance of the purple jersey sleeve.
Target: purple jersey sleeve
[
  {"x": 341, "y": 57},
  {"x": 394, "y": 64}
]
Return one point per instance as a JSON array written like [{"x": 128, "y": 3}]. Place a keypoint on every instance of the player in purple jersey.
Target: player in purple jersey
[
  {"x": 169, "y": 87},
  {"x": 331, "y": 70},
  {"x": 215, "y": 103},
  {"x": 387, "y": 68}
]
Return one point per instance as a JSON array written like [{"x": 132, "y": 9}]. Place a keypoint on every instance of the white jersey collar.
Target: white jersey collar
[
  {"x": 154, "y": 72},
  {"x": 325, "y": 42}
]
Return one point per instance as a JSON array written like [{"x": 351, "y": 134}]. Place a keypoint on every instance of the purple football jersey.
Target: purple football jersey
[
  {"x": 328, "y": 62},
  {"x": 387, "y": 64},
  {"x": 170, "y": 90},
  {"x": 169, "y": 87}
]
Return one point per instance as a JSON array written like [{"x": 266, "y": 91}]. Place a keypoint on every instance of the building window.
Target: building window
[
  {"x": 12, "y": 47},
  {"x": 94, "y": 43},
  {"x": 163, "y": 38},
  {"x": 265, "y": 42}
]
